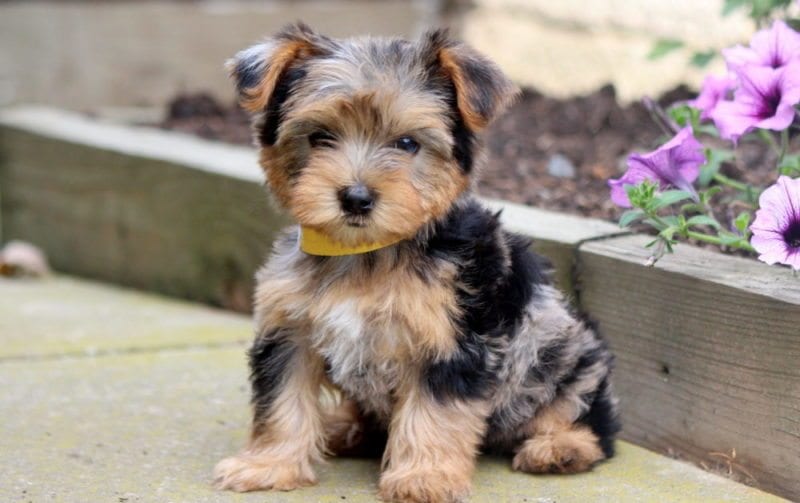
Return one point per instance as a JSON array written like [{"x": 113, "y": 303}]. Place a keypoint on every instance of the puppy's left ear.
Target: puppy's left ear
[{"x": 482, "y": 90}]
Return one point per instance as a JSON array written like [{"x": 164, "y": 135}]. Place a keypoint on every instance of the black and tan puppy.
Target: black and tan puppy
[{"x": 399, "y": 303}]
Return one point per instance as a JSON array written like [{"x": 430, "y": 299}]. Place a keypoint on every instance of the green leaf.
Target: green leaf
[
  {"x": 664, "y": 46},
  {"x": 714, "y": 159},
  {"x": 742, "y": 221},
  {"x": 763, "y": 9},
  {"x": 685, "y": 115},
  {"x": 630, "y": 217},
  {"x": 732, "y": 5},
  {"x": 671, "y": 197},
  {"x": 701, "y": 59},
  {"x": 790, "y": 165},
  {"x": 702, "y": 220}
]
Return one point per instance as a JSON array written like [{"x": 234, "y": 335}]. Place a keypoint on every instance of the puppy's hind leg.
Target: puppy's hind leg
[
  {"x": 287, "y": 433},
  {"x": 558, "y": 443}
]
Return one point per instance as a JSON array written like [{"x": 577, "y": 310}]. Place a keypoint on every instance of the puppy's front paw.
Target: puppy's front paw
[
  {"x": 247, "y": 472},
  {"x": 423, "y": 486}
]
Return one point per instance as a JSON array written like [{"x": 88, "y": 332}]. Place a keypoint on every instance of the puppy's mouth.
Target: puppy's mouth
[{"x": 356, "y": 222}]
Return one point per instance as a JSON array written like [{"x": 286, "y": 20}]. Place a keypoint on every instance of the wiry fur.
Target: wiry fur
[{"x": 447, "y": 342}]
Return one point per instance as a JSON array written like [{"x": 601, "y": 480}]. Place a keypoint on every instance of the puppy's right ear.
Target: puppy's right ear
[{"x": 258, "y": 70}]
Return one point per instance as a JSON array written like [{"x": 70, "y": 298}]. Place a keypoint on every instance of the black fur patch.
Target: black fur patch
[
  {"x": 464, "y": 140},
  {"x": 247, "y": 74},
  {"x": 269, "y": 356},
  {"x": 467, "y": 374},
  {"x": 493, "y": 298},
  {"x": 274, "y": 114},
  {"x": 463, "y": 143},
  {"x": 602, "y": 418}
]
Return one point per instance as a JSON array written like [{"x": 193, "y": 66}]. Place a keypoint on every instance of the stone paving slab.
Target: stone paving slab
[
  {"x": 148, "y": 421},
  {"x": 59, "y": 315}
]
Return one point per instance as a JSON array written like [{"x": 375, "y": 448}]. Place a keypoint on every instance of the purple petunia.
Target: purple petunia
[
  {"x": 774, "y": 47},
  {"x": 765, "y": 99},
  {"x": 674, "y": 164},
  {"x": 715, "y": 89},
  {"x": 776, "y": 228}
]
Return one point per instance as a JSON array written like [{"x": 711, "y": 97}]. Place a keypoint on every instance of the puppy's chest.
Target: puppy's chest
[{"x": 366, "y": 354}]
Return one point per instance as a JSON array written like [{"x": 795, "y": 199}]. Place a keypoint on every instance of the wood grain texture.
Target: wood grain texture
[
  {"x": 135, "y": 220},
  {"x": 707, "y": 353}
]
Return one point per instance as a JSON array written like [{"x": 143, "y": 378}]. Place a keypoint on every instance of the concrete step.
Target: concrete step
[{"x": 114, "y": 395}]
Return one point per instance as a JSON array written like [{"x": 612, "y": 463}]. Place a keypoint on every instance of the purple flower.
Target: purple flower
[
  {"x": 715, "y": 89},
  {"x": 765, "y": 99},
  {"x": 776, "y": 228},
  {"x": 774, "y": 47},
  {"x": 674, "y": 164}
]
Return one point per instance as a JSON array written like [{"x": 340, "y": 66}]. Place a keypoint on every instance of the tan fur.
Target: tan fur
[
  {"x": 381, "y": 295},
  {"x": 452, "y": 62},
  {"x": 343, "y": 427},
  {"x": 557, "y": 445},
  {"x": 285, "y": 443},
  {"x": 411, "y": 190},
  {"x": 430, "y": 455},
  {"x": 255, "y": 99}
]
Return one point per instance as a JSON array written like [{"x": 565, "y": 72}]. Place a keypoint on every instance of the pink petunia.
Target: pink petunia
[
  {"x": 773, "y": 47},
  {"x": 674, "y": 164},
  {"x": 765, "y": 99},
  {"x": 715, "y": 89},
  {"x": 776, "y": 228}
]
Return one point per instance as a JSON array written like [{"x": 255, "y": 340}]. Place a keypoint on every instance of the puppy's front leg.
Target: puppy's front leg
[
  {"x": 287, "y": 433},
  {"x": 430, "y": 455}
]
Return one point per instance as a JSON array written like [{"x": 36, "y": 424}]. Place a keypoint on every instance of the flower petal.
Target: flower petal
[
  {"x": 777, "y": 45},
  {"x": 735, "y": 118},
  {"x": 738, "y": 56},
  {"x": 715, "y": 89},
  {"x": 779, "y": 211}
]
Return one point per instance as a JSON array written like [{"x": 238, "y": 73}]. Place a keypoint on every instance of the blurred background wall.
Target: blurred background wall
[{"x": 90, "y": 54}]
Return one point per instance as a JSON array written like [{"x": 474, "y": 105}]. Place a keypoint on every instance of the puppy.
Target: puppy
[{"x": 399, "y": 304}]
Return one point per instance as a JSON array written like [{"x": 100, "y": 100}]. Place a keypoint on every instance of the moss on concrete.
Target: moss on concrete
[{"x": 59, "y": 315}]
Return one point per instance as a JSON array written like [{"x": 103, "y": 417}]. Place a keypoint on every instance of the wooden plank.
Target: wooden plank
[
  {"x": 115, "y": 204},
  {"x": 707, "y": 353}
]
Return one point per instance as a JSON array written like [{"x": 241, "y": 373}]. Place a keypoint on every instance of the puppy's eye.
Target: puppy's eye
[
  {"x": 321, "y": 139},
  {"x": 406, "y": 144}
]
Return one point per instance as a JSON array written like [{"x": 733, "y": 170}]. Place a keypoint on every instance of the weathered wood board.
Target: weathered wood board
[
  {"x": 174, "y": 215},
  {"x": 708, "y": 353}
]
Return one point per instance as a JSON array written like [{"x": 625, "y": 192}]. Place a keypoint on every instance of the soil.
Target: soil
[{"x": 544, "y": 152}]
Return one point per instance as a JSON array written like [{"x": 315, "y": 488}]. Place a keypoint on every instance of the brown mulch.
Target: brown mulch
[{"x": 544, "y": 152}]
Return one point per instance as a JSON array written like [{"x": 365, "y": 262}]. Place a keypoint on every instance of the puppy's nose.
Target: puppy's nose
[{"x": 356, "y": 199}]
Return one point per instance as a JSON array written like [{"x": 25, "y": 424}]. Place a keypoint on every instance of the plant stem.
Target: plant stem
[
  {"x": 730, "y": 182},
  {"x": 742, "y": 245},
  {"x": 659, "y": 116},
  {"x": 784, "y": 147},
  {"x": 767, "y": 137}
]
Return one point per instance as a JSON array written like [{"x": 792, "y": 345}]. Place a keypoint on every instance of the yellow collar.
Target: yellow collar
[{"x": 316, "y": 243}]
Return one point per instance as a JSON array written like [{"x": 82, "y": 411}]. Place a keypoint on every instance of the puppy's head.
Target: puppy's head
[{"x": 368, "y": 139}]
